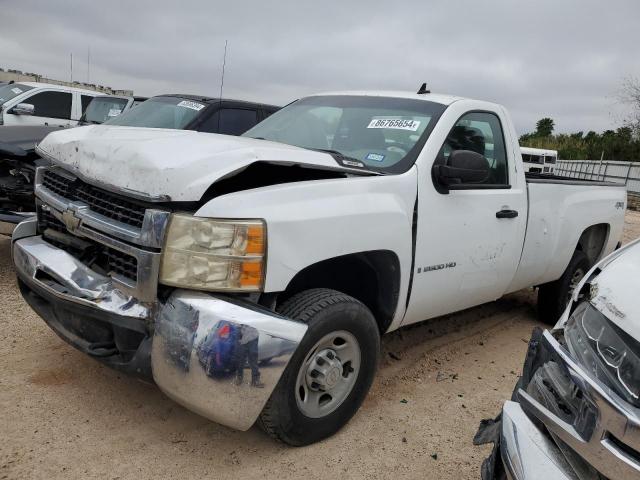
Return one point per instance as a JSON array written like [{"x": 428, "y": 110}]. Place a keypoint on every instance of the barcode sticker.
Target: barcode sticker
[
  {"x": 192, "y": 105},
  {"x": 394, "y": 123}
]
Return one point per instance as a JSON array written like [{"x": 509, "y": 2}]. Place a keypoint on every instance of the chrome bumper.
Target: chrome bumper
[
  {"x": 193, "y": 357},
  {"x": 190, "y": 379},
  {"x": 56, "y": 272},
  {"x": 609, "y": 448},
  {"x": 527, "y": 454},
  {"x": 9, "y": 220}
]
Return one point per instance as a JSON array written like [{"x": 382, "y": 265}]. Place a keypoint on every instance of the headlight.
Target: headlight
[
  {"x": 208, "y": 254},
  {"x": 607, "y": 351}
]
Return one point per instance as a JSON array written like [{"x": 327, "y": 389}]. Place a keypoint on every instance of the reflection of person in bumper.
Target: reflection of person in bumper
[{"x": 247, "y": 348}]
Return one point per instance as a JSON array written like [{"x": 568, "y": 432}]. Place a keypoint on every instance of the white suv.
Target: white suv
[{"x": 33, "y": 103}]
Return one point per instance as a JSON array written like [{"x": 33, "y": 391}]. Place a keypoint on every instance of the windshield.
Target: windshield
[
  {"x": 101, "y": 109},
  {"x": 7, "y": 92},
  {"x": 379, "y": 133},
  {"x": 160, "y": 112}
]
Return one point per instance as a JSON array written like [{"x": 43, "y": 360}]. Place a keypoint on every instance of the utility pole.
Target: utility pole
[
  {"x": 71, "y": 69},
  {"x": 88, "y": 62}
]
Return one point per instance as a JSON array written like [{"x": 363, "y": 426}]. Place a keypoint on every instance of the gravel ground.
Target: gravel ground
[{"x": 63, "y": 415}]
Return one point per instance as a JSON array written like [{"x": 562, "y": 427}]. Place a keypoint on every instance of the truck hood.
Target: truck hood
[
  {"x": 168, "y": 165},
  {"x": 616, "y": 290}
]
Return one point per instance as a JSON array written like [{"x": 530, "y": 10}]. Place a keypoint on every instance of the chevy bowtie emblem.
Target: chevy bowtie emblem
[{"x": 70, "y": 220}]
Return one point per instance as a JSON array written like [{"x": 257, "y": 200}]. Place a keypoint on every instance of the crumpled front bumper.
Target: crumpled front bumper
[
  {"x": 10, "y": 219},
  {"x": 611, "y": 444},
  {"x": 190, "y": 342}
]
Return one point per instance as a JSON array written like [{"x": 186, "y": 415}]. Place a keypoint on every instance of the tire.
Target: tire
[
  {"x": 327, "y": 313},
  {"x": 553, "y": 297}
]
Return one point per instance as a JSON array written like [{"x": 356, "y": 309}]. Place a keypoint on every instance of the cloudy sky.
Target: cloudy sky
[{"x": 557, "y": 58}]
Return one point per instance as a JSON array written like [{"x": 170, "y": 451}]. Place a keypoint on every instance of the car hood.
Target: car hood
[
  {"x": 615, "y": 290},
  {"x": 169, "y": 165}
]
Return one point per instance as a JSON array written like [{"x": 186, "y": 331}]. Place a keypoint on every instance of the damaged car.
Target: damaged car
[
  {"x": 171, "y": 254},
  {"x": 18, "y": 158},
  {"x": 575, "y": 412}
]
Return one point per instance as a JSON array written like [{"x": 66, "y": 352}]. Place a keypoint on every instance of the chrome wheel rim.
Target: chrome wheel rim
[{"x": 327, "y": 374}]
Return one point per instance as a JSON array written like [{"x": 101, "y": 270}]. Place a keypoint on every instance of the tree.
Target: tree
[
  {"x": 630, "y": 95},
  {"x": 544, "y": 127}
]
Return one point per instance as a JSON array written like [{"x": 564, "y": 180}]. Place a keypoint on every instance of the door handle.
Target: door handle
[{"x": 507, "y": 214}]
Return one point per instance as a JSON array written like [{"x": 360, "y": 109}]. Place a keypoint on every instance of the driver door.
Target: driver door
[{"x": 469, "y": 236}]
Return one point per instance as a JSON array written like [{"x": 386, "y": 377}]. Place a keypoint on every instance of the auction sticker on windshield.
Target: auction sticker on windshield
[
  {"x": 394, "y": 123},
  {"x": 192, "y": 105}
]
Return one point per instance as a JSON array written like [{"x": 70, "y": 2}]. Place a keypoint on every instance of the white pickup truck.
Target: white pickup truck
[
  {"x": 35, "y": 103},
  {"x": 191, "y": 256}
]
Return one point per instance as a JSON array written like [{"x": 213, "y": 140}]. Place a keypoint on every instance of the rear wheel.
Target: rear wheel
[
  {"x": 554, "y": 297},
  {"x": 329, "y": 374}
]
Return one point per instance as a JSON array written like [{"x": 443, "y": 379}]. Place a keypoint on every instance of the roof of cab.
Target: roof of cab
[
  {"x": 430, "y": 97},
  {"x": 203, "y": 99}
]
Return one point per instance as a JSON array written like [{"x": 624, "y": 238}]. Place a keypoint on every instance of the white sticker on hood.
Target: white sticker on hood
[
  {"x": 192, "y": 105},
  {"x": 394, "y": 123},
  {"x": 114, "y": 112},
  {"x": 16, "y": 90}
]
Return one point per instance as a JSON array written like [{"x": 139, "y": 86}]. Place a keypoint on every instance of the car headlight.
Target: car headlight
[
  {"x": 609, "y": 353},
  {"x": 215, "y": 255}
]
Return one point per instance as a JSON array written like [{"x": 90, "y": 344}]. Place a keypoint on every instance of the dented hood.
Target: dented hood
[
  {"x": 616, "y": 288},
  {"x": 176, "y": 165}
]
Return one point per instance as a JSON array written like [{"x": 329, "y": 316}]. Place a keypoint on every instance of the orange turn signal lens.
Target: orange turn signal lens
[
  {"x": 255, "y": 240},
  {"x": 251, "y": 275}
]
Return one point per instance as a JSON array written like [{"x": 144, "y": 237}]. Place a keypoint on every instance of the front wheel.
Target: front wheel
[{"x": 329, "y": 374}]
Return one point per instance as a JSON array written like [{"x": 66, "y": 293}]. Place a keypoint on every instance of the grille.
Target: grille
[
  {"x": 47, "y": 220},
  {"x": 100, "y": 201},
  {"x": 122, "y": 264},
  {"x": 95, "y": 255}
]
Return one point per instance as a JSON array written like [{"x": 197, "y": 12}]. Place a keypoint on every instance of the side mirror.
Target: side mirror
[
  {"x": 463, "y": 166},
  {"x": 23, "y": 109}
]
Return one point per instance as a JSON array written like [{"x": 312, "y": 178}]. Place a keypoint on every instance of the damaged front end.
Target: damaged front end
[
  {"x": 94, "y": 280},
  {"x": 18, "y": 164},
  {"x": 188, "y": 344},
  {"x": 575, "y": 412}
]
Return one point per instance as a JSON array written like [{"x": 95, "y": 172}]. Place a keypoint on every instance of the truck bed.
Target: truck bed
[
  {"x": 561, "y": 209},
  {"x": 562, "y": 180}
]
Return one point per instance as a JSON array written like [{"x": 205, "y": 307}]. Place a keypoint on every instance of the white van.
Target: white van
[
  {"x": 34, "y": 103},
  {"x": 539, "y": 160}
]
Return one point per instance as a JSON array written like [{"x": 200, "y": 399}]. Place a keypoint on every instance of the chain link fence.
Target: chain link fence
[{"x": 627, "y": 173}]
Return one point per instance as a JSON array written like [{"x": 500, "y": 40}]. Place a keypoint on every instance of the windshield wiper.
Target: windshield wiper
[
  {"x": 341, "y": 155},
  {"x": 346, "y": 160}
]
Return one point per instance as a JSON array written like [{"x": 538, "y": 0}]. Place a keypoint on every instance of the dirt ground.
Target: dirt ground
[{"x": 63, "y": 415}]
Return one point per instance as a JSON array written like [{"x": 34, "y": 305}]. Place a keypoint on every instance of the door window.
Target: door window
[
  {"x": 85, "y": 100},
  {"x": 51, "y": 104},
  {"x": 480, "y": 132},
  {"x": 236, "y": 121}
]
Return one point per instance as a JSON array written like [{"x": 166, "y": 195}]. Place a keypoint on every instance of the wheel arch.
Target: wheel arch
[
  {"x": 593, "y": 240},
  {"x": 372, "y": 277}
]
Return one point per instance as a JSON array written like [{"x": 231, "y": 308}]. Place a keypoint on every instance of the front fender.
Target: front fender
[{"x": 312, "y": 221}]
